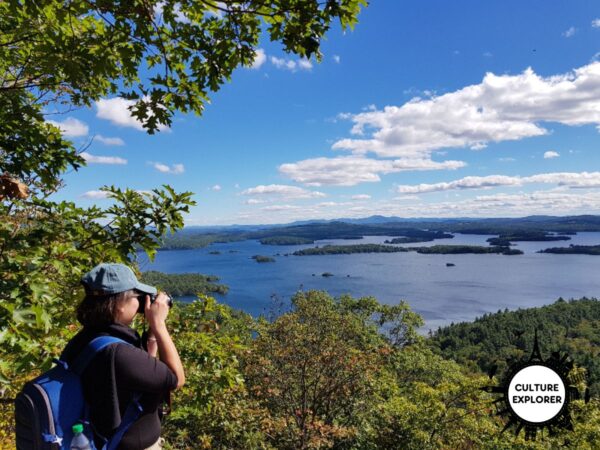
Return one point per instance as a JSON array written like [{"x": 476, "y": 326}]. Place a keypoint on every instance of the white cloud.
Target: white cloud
[
  {"x": 175, "y": 169},
  {"x": 336, "y": 59},
  {"x": 71, "y": 127},
  {"x": 551, "y": 154},
  {"x": 326, "y": 204},
  {"x": 93, "y": 159},
  {"x": 259, "y": 59},
  {"x": 352, "y": 170},
  {"x": 282, "y": 190},
  {"x": 596, "y": 23},
  {"x": 279, "y": 208},
  {"x": 501, "y": 108},
  {"x": 291, "y": 64},
  {"x": 109, "y": 140},
  {"x": 570, "y": 32},
  {"x": 216, "y": 187},
  {"x": 507, "y": 159},
  {"x": 116, "y": 110},
  {"x": 254, "y": 201},
  {"x": 361, "y": 197},
  {"x": 95, "y": 195},
  {"x": 573, "y": 180}
]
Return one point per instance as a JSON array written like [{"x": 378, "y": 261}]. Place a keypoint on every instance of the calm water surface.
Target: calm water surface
[{"x": 475, "y": 285}]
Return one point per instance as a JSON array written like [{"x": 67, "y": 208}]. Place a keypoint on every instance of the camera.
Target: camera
[{"x": 142, "y": 301}]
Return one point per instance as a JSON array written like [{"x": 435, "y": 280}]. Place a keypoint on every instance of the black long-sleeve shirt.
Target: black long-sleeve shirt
[{"x": 114, "y": 376}]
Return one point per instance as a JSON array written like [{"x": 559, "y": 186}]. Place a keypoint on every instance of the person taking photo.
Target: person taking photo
[{"x": 125, "y": 372}]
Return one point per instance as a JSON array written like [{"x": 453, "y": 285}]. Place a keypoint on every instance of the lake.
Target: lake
[{"x": 477, "y": 284}]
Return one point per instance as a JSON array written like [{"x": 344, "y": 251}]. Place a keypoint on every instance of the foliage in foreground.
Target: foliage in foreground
[{"x": 323, "y": 376}]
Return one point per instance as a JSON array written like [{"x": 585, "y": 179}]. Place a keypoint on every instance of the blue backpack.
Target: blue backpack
[{"x": 48, "y": 406}]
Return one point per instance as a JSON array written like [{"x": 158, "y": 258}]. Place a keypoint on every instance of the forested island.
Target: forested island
[
  {"x": 184, "y": 284},
  {"x": 531, "y": 236},
  {"x": 379, "y": 248},
  {"x": 263, "y": 259},
  {"x": 408, "y": 240},
  {"x": 349, "y": 249},
  {"x": 574, "y": 250},
  {"x": 286, "y": 240}
]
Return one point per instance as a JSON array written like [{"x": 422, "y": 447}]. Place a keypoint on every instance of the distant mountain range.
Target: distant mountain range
[{"x": 565, "y": 221}]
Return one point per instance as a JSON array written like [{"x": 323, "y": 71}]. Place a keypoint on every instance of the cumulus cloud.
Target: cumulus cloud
[
  {"x": 116, "y": 110},
  {"x": 336, "y": 59},
  {"x": 570, "y": 32},
  {"x": 109, "y": 140},
  {"x": 216, "y": 187},
  {"x": 500, "y": 108},
  {"x": 71, "y": 127},
  {"x": 175, "y": 169},
  {"x": 352, "y": 170},
  {"x": 95, "y": 195},
  {"x": 282, "y": 190},
  {"x": 596, "y": 23},
  {"x": 551, "y": 154},
  {"x": 93, "y": 159},
  {"x": 259, "y": 59},
  {"x": 573, "y": 180},
  {"x": 291, "y": 64},
  {"x": 361, "y": 197}
]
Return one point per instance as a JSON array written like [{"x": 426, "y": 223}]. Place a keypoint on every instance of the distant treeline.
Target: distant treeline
[
  {"x": 528, "y": 228},
  {"x": 378, "y": 248},
  {"x": 572, "y": 327},
  {"x": 183, "y": 284}
]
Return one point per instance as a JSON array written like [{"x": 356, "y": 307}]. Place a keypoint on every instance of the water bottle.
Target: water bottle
[{"x": 79, "y": 441}]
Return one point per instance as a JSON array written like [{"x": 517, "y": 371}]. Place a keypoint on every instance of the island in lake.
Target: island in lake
[
  {"x": 263, "y": 259},
  {"x": 379, "y": 248},
  {"x": 574, "y": 250},
  {"x": 530, "y": 236},
  {"x": 184, "y": 284}
]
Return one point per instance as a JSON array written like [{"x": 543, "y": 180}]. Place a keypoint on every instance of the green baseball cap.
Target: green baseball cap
[{"x": 112, "y": 278}]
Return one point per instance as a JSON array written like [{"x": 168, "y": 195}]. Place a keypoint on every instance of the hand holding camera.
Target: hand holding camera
[
  {"x": 155, "y": 308},
  {"x": 153, "y": 297}
]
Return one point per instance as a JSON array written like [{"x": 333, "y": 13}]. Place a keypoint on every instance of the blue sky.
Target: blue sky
[{"x": 426, "y": 109}]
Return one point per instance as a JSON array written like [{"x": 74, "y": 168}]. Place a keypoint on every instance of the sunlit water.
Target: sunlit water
[{"x": 475, "y": 285}]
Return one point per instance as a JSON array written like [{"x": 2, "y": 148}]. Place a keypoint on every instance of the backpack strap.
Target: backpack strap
[
  {"x": 133, "y": 411},
  {"x": 90, "y": 350}
]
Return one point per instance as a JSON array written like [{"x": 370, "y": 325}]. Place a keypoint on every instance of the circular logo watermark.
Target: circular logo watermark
[{"x": 536, "y": 394}]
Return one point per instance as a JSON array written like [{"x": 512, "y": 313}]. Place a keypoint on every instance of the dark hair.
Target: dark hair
[{"x": 99, "y": 310}]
